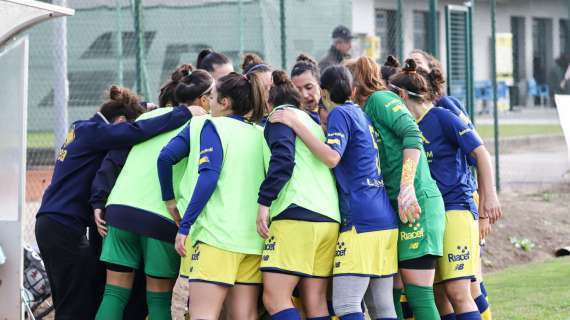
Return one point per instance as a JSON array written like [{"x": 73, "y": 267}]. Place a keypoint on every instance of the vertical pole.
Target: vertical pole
[
  {"x": 119, "y": 42},
  {"x": 448, "y": 47},
  {"x": 283, "y": 34},
  {"x": 567, "y": 46},
  {"x": 400, "y": 30},
  {"x": 495, "y": 101},
  {"x": 470, "y": 63},
  {"x": 241, "y": 28},
  {"x": 139, "y": 45},
  {"x": 433, "y": 29},
  {"x": 61, "y": 84}
]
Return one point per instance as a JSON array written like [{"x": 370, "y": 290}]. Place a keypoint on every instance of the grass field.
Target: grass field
[
  {"x": 517, "y": 130},
  {"x": 44, "y": 139},
  {"x": 531, "y": 292}
]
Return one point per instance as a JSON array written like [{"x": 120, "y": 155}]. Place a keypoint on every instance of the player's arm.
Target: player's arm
[
  {"x": 392, "y": 113},
  {"x": 489, "y": 206},
  {"x": 281, "y": 141},
  {"x": 210, "y": 166},
  {"x": 326, "y": 154}
]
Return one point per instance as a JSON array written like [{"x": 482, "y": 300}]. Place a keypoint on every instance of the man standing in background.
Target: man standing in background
[{"x": 339, "y": 50}]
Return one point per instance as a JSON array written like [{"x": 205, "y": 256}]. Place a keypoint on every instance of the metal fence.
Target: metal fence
[
  {"x": 102, "y": 43},
  {"x": 137, "y": 43}
]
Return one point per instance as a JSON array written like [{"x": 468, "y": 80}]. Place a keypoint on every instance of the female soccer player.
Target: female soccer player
[
  {"x": 137, "y": 225},
  {"x": 366, "y": 253},
  {"x": 305, "y": 76},
  {"x": 222, "y": 211},
  {"x": 65, "y": 211},
  {"x": 446, "y": 139},
  {"x": 300, "y": 199},
  {"x": 410, "y": 188},
  {"x": 253, "y": 63},
  {"x": 217, "y": 64},
  {"x": 427, "y": 62}
]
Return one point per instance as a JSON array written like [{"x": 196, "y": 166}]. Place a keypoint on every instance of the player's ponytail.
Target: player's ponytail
[{"x": 246, "y": 93}]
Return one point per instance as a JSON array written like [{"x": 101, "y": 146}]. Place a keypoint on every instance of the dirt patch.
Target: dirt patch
[{"x": 542, "y": 217}]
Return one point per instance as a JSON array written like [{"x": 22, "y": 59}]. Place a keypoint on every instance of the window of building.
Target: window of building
[
  {"x": 387, "y": 30},
  {"x": 105, "y": 46},
  {"x": 563, "y": 34},
  {"x": 421, "y": 27}
]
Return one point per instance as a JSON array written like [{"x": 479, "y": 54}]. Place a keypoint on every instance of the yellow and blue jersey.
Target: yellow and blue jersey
[
  {"x": 447, "y": 139},
  {"x": 454, "y": 105},
  {"x": 364, "y": 202}
]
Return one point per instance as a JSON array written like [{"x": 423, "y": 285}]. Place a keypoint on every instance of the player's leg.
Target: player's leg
[
  {"x": 397, "y": 295},
  {"x": 314, "y": 296},
  {"x": 417, "y": 275},
  {"x": 444, "y": 307},
  {"x": 348, "y": 293},
  {"x": 379, "y": 300},
  {"x": 122, "y": 252},
  {"x": 206, "y": 300},
  {"x": 242, "y": 301},
  {"x": 277, "y": 291},
  {"x": 159, "y": 297}
]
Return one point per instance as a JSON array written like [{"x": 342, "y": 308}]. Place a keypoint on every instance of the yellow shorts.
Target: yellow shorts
[
  {"x": 300, "y": 248},
  {"x": 185, "y": 261},
  {"x": 210, "y": 264},
  {"x": 460, "y": 247},
  {"x": 373, "y": 254}
]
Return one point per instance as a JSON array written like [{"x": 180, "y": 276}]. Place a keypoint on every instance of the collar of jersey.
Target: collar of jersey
[{"x": 423, "y": 115}]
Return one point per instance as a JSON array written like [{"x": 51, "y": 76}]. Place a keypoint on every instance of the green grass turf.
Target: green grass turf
[
  {"x": 486, "y": 131},
  {"x": 532, "y": 291},
  {"x": 44, "y": 139}
]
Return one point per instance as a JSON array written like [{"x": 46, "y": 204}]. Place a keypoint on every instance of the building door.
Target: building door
[
  {"x": 542, "y": 55},
  {"x": 519, "y": 69}
]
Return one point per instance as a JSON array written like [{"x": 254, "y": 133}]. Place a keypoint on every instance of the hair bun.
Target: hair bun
[
  {"x": 181, "y": 72},
  {"x": 115, "y": 93},
  {"x": 280, "y": 77},
  {"x": 306, "y": 58},
  {"x": 410, "y": 65},
  {"x": 436, "y": 76},
  {"x": 250, "y": 60},
  {"x": 391, "y": 61}
]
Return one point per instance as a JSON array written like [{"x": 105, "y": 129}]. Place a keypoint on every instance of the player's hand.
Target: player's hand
[
  {"x": 408, "y": 206},
  {"x": 173, "y": 210},
  {"x": 100, "y": 222},
  {"x": 180, "y": 244},
  {"x": 490, "y": 207},
  {"x": 262, "y": 221},
  {"x": 151, "y": 106},
  {"x": 484, "y": 228},
  {"x": 284, "y": 116},
  {"x": 197, "y": 111}
]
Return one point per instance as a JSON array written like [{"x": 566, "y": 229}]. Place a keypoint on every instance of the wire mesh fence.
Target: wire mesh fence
[
  {"x": 102, "y": 47},
  {"x": 105, "y": 36}
]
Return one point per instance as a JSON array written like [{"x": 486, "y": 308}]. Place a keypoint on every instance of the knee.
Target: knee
[
  {"x": 274, "y": 300},
  {"x": 315, "y": 301},
  {"x": 343, "y": 307},
  {"x": 458, "y": 295}
]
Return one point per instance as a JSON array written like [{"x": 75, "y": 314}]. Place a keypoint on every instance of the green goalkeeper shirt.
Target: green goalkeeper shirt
[{"x": 397, "y": 130}]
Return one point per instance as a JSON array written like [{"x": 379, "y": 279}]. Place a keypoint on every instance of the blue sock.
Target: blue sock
[
  {"x": 450, "y": 316},
  {"x": 353, "y": 316},
  {"x": 287, "y": 314},
  {"x": 483, "y": 289},
  {"x": 473, "y": 315},
  {"x": 320, "y": 318},
  {"x": 482, "y": 303}
]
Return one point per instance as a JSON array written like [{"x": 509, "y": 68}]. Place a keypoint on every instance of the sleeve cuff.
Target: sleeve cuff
[
  {"x": 264, "y": 201},
  {"x": 183, "y": 230},
  {"x": 98, "y": 205}
]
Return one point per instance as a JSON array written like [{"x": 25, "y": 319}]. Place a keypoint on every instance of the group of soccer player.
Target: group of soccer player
[{"x": 315, "y": 194}]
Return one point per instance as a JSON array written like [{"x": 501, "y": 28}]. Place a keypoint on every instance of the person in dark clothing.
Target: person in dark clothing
[
  {"x": 339, "y": 51},
  {"x": 65, "y": 211},
  {"x": 559, "y": 76}
]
